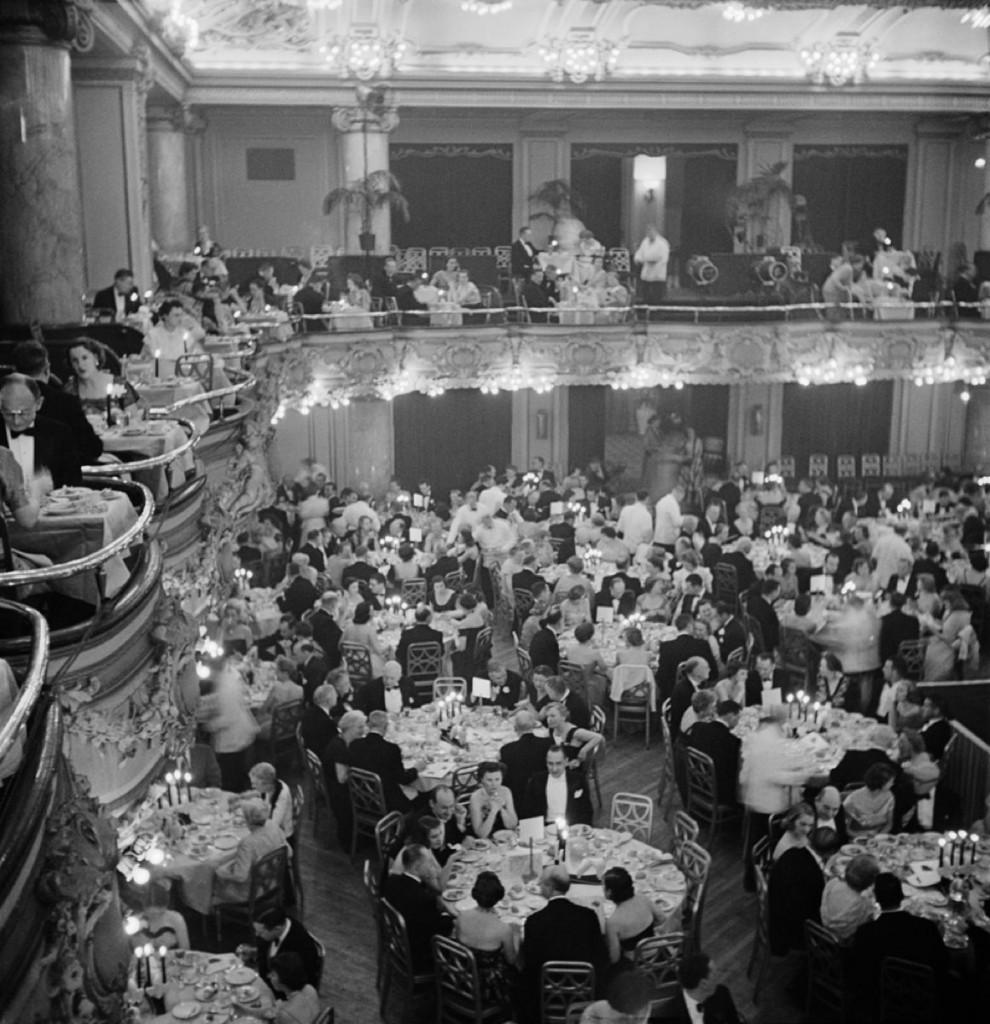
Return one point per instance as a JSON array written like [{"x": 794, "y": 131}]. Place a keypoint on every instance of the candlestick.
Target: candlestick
[
  {"x": 952, "y": 848},
  {"x": 138, "y": 961},
  {"x": 974, "y": 839},
  {"x": 162, "y": 951},
  {"x": 188, "y": 780},
  {"x": 941, "y": 853},
  {"x": 168, "y": 788},
  {"x": 158, "y": 353},
  {"x": 110, "y": 405}
]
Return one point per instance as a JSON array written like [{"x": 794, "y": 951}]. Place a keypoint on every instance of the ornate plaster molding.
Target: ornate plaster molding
[{"x": 359, "y": 119}]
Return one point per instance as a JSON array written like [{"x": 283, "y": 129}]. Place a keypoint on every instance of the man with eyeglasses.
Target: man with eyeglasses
[{"x": 38, "y": 444}]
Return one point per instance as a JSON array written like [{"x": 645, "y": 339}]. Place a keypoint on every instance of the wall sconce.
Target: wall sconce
[
  {"x": 649, "y": 175},
  {"x": 650, "y": 194}
]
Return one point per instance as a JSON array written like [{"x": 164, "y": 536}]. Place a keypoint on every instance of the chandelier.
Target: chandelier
[
  {"x": 323, "y": 5},
  {"x": 841, "y": 61},
  {"x": 179, "y": 31},
  {"x": 364, "y": 54},
  {"x": 736, "y": 11},
  {"x": 979, "y": 17},
  {"x": 485, "y": 6},
  {"x": 582, "y": 55}
]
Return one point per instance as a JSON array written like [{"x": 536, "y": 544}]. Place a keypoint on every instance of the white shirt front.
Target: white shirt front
[
  {"x": 669, "y": 520},
  {"x": 695, "y": 1013},
  {"x": 556, "y": 797},
  {"x": 393, "y": 700},
  {"x": 464, "y": 518},
  {"x": 120, "y": 305},
  {"x": 22, "y": 448}
]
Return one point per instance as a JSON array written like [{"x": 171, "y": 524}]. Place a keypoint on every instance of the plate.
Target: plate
[
  {"x": 470, "y": 857},
  {"x": 246, "y": 994},
  {"x": 240, "y": 976},
  {"x": 246, "y": 1020},
  {"x": 216, "y": 964},
  {"x": 186, "y": 1011},
  {"x": 61, "y": 510},
  {"x": 132, "y": 432},
  {"x": 453, "y": 895},
  {"x": 225, "y": 842},
  {"x": 851, "y": 849},
  {"x": 535, "y": 902},
  {"x": 200, "y": 815},
  {"x": 481, "y": 844},
  {"x": 503, "y": 835}
]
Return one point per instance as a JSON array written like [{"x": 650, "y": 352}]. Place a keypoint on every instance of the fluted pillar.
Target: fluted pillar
[
  {"x": 168, "y": 172},
  {"x": 363, "y": 151},
  {"x": 41, "y": 248}
]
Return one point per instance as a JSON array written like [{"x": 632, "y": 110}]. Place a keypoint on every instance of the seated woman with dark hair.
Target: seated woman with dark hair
[
  {"x": 175, "y": 334},
  {"x": 493, "y": 942},
  {"x": 93, "y": 372},
  {"x": 491, "y": 805},
  {"x": 300, "y": 1003},
  {"x": 634, "y": 919}
]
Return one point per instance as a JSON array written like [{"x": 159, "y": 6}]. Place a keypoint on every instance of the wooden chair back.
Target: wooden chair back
[
  {"x": 562, "y": 983},
  {"x": 632, "y": 813}
]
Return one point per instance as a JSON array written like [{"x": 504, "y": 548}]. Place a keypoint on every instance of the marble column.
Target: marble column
[
  {"x": 930, "y": 210},
  {"x": 41, "y": 247},
  {"x": 540, "y": 156},
  {"x": 172, "y": 227},
  {"x": 363, "y": 151},
  {"x": 764, "y": 146}
]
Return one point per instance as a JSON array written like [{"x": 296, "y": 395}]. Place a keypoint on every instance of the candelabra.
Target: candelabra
[
  {"x": 841, "y": 61},
  {"x": 580, "y": 56}
]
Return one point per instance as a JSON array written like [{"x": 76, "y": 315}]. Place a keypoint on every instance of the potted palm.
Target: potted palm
[
  {"x": 752, "y": 209},
  {"x": 377, "y": 190},
  {"x": 561, "y": 202}
]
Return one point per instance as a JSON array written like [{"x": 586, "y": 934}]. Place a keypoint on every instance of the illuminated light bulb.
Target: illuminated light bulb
[
  {"x": 132, "y": 925},
  {"x": 155, "y": 856},
  {"x": 141, "y": 876},
  {"x": 964, "y": 395},
  {"x": 202, "y": 671},
  {"x": 980, "y": 162}
]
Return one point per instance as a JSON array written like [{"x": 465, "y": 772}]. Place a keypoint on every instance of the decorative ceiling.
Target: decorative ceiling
[{"x": 573, "y": 43}]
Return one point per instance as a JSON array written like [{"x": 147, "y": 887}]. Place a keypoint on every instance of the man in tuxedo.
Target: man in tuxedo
[
  {"x": 527, "y": 575},
  {"x": 760, "y": 607},
  {"x": 508, "y": 687},
  {"x": 740, "y": 561},
  {"x": 696, "y": 674},
  {"x": 36, "y": 442},
  {"x": 851, "y": 769},
  {"x": 937, "y": 730},
  {"x": 275, "y": 932},
  {"x": 896, "y": 627},
  {"x": 374, "y": 753},
  {"x": 312, "y": 550},
  {"x": 674, "y": 652},
  {"x": 562, "y": 930},
  {"x": 578, "y": 712},
  {"x": 121, "y": 298},
  {"x": 317, "y": 726},
  {"x": 311, "y": 664},
  {"x": 414, "y": 895},
  {"x": 391, "y": 693},
  {"x": 326, "y": 632},
  {"x": 765, "y": 676},
  {"x": 31, "y": 359},
  {"x": 535, "y": 297},
  {"x": 729, "y": 631},
  {"x": 632, "y": 583},
  {"x": 524, "y": 253},
  {"x": 716, "y": 739},
  {"x": 451, "y": 814},
  {"x": 880, "y": 502},
  {"x": 558, "y": 792},
  {"x": 524, "y": 756},
  {"x": 705, "y": 1000},
  {"x": 300, "y": 595},
  {"x": 794, "y": 890},
  {"x": 420, "y": 632},
  {"x": 930, "y": 562}
]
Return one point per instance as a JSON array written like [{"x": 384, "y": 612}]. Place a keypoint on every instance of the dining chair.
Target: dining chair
[
  {"x": 443, "y": 686},
  {"x": 632, "y": 813},
  {"x": 414, "y": 591},
  {"x": 198, "y": 365},
  {"x": 702, "y": 795},
  {"x": 797, "y": 658},
  {"x": 913, "y": 653},
  {"x": 525, "y": 664},
  {"x": 282, "y": 734},
  {"x": 388, "y": 832},
  {"x": 684, "y": 828},
  {"x": 398, "y": 973},
  {"x": 726, "y": 583},
  {"x": 694, "y": 862},
  {"x": 575, "y": 677},
  {"x": 327, "y": 1016},
  {"x": 298, "y": 900},
  {"x": 266, "y": 889},
  {"x": 464, "y": 782},
  {"x": 636, "y": 689},
  {"x": 314, "y": 767},
  {"x": 482, "y": 649},
  {"x": 666, "y": 786},
  {"x": 367, "y": 803},
  {"x": 826, "y": 979},
  {"x": 759, "y": 957},
  {"x": 373, "y": 887},
  {"x": 424, "y": 662},
  {"x": 454, "y": 580},
  {"x": 908, "y": 994},
  {"x": 659, "y": 958},
  {"x": 459, "y": 993},
  {"x": 563, "y": 982},
  {"x": 357, "y": 661}
]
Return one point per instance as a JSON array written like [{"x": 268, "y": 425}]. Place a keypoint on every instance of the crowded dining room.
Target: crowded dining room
[{"x": 494, "y": 512}]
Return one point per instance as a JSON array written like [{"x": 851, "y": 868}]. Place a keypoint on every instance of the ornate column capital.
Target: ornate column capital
[
  {"x": 66, "y": 22},
  {"x": 358, "y": 119},
  {"x": 181, "y": 118}
]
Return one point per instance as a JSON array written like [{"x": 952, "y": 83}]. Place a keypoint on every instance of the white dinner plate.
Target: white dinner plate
[
  {"x": 225, "y": 842},
  {"x": 186, "y": 1011},
  {"x": 240, "y": 976}
]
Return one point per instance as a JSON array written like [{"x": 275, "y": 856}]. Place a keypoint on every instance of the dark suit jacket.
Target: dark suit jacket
[
  {"x": 374, "y": 753},
  {"x": 511, "y": 692},
  {"x": 372, "y": 695},
  {"x": 357, "y": 571},
  {"x": 895, "y": 627},
  {"x": 313, "y": 674},
  {"x": 672, "y": 653},
  {"x": 311, "y": 302},
  {"x": 933, "y": 568},
  {"x": 54, "y": 450},
  {"x": 524, "y": 579},
  {"x": 744, "y": 569},
  {"x": 717, "y": 741},
  {"x": 764, "y": 614},
  {"x": 104, "y": 299},
  {"x": 851, "y": 769},
  {"x": 633, "y": 585},
  {"x": 794, "y": 895},
  {"x": 730, "y": 637},
  {"x": 680, "y": 701},
  {"x": 562, "y": 930},
  {"x": 718, "y": 1008},
  {"x": 936, "y": 736},
  {"x": 579, "y": 810},
  {"x": 544, "y": 649},
  {"x": 327, "y": 634},
  {"x": 523, "y": 758},
  {"x": 424, "y": 919},
  {"x": 578, "y": 712},
  {"x": 754, "y": 685},
  {"x": 316, "y": 557},
  {"x": 895, "y": 933},
  {"x": 67, "y": 409},
  {"x": 318, "y": 728},
  {"x": 297, "y": 941},
  {"x": 522, "y": 259},
  {"x": 536, "y": 299},
  {"x": 299, "y": 597},
  {"x": 418, "y": 633}
]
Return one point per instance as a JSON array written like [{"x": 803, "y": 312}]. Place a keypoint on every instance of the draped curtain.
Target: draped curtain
[
  {"x": 850, "y": 190},
  {"x": 836, "y": 419},
  {"x": 458, "y": 194},
  {"x": 447, "y": 439}
]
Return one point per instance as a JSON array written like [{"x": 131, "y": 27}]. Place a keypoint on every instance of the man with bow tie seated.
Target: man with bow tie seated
[{"x": 42, "y": 447}]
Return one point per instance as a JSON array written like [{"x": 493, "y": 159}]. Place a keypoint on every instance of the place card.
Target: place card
[
  {"x": 928, "y": 507},
  {"x": 530, "y": 829},
  {"x": 417, "y": 500},
  {"x": 822, "y": 585},
  {"x": 606, "y": 615},
  {"x": 757, "y": 477},
  {"x": 771, "y": 698},
  {"x": 481, "y": 689},
  {"x": 415, "y": 534},
  {"x": 556, "y": 508}
]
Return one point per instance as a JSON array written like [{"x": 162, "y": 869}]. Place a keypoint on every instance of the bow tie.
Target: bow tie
[{"x": 26, "y": 432}]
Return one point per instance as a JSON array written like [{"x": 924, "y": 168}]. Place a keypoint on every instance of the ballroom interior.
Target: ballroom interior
[{"x": 131, "y": 126}]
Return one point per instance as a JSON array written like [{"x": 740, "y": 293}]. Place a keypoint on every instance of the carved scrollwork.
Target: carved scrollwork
[
  {"x": 64, "y": 21},
  {"x": 359, "y": 119}
]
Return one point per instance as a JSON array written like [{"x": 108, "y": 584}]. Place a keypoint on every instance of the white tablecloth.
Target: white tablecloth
[{"x": 149, "y": 439}]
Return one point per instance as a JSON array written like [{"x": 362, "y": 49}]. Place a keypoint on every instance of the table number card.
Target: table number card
[
  {"x": 481, "y": 689},
  {"x": 556, "y": 508},
  {"x": 417, "y": 500},
  {"x": 530, "y": 829},
  {"x": 771, "y": 698},
  {"x": 415, "y": 534},
  {"x": 606, "y": 615},
  {"x": 821, "y": 585}
]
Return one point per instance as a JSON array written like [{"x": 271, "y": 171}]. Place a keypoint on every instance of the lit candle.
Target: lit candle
[
  {"x": 158, "y": 355},
  {"x": 149, "y": 952},
  {"x": 952, "y": 848},
  {"x": 161, "y": 952},
  {"x": 817, "y": 708},
  {"x": 941, "y": 852},
  {"x": 790, "y": 705},
  {"x": 187, "y": 778},
  {"x": 109, "y": 408}
]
